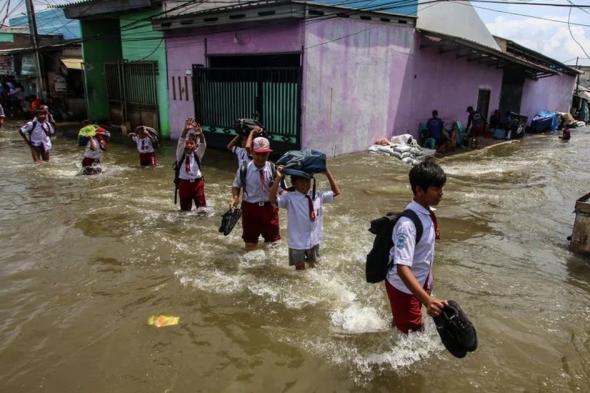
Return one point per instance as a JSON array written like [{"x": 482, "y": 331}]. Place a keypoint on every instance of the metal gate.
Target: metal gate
[
  {"x": 132, "y": 92},
  {"x": 272, "y": 95}
]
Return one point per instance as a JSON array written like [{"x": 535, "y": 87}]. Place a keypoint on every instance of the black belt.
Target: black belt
[
  {"x": 267, "y": 203},
  {"x": 192, "y": 180}
]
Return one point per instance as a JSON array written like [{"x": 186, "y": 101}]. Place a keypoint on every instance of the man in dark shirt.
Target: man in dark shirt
[
  {"x": 435, "y": 126},
  {"x": 475, "y": 126}
]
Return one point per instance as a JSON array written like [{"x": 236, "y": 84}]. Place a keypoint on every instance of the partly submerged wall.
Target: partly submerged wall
[{"x": 547, "y": 94}]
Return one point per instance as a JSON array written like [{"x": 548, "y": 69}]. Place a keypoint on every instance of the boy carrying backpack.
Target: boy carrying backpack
[{"x": 408, "y": 276}]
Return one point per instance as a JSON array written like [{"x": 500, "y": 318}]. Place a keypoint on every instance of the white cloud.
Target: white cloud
[{"x": 551, "y": 39}]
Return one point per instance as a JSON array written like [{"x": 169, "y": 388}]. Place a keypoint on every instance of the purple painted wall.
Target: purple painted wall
[
  {"x": 447, "y": 84},
  {"x": 352, "y": 84},
  {"x": 364, "y": 80},
  {"x": 186, "y": 49},
  {"x": 550, "y": 94}
]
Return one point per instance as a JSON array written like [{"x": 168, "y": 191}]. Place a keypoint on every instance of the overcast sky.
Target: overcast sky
[{"x": 550, "y": 38}]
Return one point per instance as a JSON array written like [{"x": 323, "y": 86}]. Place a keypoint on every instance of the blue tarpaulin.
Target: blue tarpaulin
[{"x": 545, "y": 121}]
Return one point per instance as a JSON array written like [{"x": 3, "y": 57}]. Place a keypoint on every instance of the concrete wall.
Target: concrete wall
[
  {"x": 364, "y": 80},
  {"x": 353, "y": 81},
  {"x": 187, "y": 48},
  {"x": 547, "y": 94},
  {"x": 139, "y": 42},
  {"x": 447, "y": 84}
]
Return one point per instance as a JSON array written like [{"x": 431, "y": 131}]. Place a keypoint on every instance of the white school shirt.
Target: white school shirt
[
  {"x": 193, "y": 172},
  {"x": 93, "y": 154},
  {"x": 40, "y": 135},
  {"x": 241, "y": 154},
  {"x": 144, "y": 145},
  {"x": 255, "y": 192},
  {"x": 419, "y": 257},
  {"x": 302, "y": 233}
]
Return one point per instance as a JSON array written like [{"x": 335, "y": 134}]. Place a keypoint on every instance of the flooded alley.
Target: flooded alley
[{"x": 85, "y": 261}]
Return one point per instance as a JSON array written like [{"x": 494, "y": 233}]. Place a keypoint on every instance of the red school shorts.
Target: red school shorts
[
  {"x": 191, "y": 191},
  {"x": 147, "y": 159},
  {"x": 260, "y": 220},
  {"x": 405, "y": 309}
]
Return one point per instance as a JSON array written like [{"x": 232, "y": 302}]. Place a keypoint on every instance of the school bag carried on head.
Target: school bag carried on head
[
  {"x": 244, "y": 126},
  {"x": 378, "y": 262},
  {"x": 303, "y": 163},
  {"x": 154, "y": 136}
]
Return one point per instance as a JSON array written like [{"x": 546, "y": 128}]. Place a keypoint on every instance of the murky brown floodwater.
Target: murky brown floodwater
[{"x": 85, "y": 261}]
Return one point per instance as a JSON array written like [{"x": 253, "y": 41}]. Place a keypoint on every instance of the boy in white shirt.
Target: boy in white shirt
[
  {"x": 189, "y": 155},
  {"x": 409, "y": 280},
  {"x": 145, "y": 146},
  {"x": 305, "y": 217},
  {"x": 255, "y": 178},
  {"x": 37, "y": 134}
]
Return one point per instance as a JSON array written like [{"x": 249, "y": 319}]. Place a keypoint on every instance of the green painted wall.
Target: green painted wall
[
  {"x": 140, "y": 42},
  {"x": 101, "y": 43},
  {"x": 6, "y": 37}
]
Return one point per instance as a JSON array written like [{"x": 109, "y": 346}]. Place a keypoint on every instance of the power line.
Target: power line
[
  {"x": 561, "y": 5},
  {"x": 569, "y": 27},
  {"x": 5, "y": 15},
  {"x": 520, "y": 14}
]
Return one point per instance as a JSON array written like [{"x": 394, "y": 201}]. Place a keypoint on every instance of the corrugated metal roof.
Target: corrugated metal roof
[{"x": 457, "y": 20}]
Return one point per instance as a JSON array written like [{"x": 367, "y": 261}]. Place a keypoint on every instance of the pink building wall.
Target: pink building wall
[
  {"x": 447, "y": 84},
  {"x": 352, "y": 84},
  {"x": 547, "y": 94},
  {"x": 364, "y": 80},
  {"x": 186, "y": 49}
]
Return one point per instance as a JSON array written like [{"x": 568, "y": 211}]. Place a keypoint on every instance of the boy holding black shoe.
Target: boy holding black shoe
[{"x": 409, "y": 279}]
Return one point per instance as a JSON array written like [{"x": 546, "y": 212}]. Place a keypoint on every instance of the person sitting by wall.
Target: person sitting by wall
[{"x": 448, "y": 140}]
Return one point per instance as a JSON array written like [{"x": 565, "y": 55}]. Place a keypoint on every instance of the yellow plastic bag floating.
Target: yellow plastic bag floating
[{"x": 163, "y": 320}]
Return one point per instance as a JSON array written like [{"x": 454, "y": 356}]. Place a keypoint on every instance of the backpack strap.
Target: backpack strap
[
  {"x": 197, "y": 160},
  {"x": 416, "y": 220},
  {"x": 33, "y": 126},
  {"x": 243, "y": 174}
]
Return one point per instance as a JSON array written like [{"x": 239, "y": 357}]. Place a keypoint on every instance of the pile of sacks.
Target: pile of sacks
[{"x": 403, "y": 147}]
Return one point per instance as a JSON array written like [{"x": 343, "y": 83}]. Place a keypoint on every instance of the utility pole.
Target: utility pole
[{"x": 35, "y": 43}]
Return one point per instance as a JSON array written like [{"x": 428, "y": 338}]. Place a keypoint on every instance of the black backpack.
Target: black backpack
[{"x": 378, "y": 262}]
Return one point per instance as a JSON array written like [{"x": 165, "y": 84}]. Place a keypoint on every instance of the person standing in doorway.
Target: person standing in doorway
[{"x": 475, "y": 126}]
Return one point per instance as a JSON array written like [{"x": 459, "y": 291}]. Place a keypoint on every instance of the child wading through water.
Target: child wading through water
[
  {"x": 409, "y": 280},
  {"x": 305, "y": 217},
  {"x": 37, "y": 134},
  {"x": 189, "y": 155},
  {"x": 145, "y": 146},
  {"x": 259, "y": 215},
  {"x": 96, "y": 145}
]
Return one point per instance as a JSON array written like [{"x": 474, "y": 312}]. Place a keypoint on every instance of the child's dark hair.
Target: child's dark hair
[{"x": 427, "y": 173}]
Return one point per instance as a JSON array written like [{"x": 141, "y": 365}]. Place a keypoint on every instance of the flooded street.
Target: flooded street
[{"x": 84, "y": 261}]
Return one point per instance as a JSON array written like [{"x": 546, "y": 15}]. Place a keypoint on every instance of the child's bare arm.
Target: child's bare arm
[
  {"x": 274, "y": 189},
  {"x": 333, "y": 185},
  {"x": 233, "y": 142},
  {"x": 235, "y": 193},
  {"x": 433, "y": 306},
  {"x": 253, "y": 134}
]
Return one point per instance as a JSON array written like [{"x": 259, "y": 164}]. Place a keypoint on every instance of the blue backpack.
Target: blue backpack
[{"x": 303, "y": 163}]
